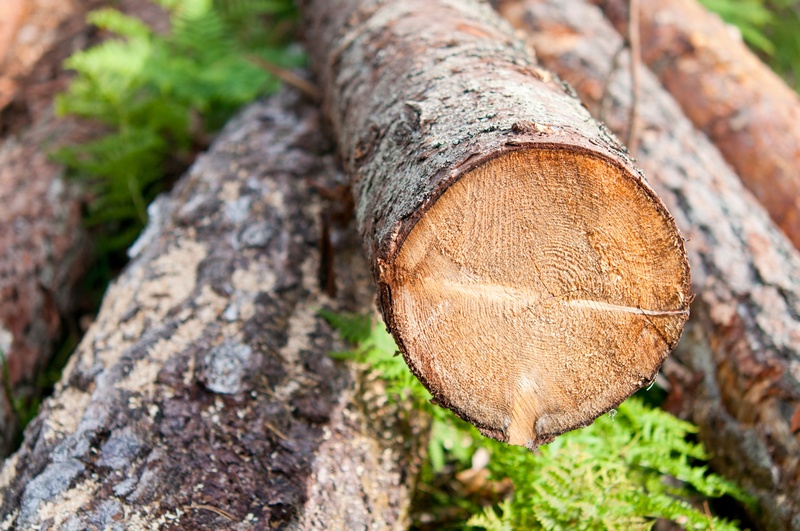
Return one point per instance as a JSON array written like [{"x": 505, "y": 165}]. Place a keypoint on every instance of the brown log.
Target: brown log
[
  {"x": 44, "y": 249},
  {"x": 203, "y": 396},
  {"x": 736, "y": 372},
  {"x": 744, "y": 107},
  {"x": 511, "y": 238}
]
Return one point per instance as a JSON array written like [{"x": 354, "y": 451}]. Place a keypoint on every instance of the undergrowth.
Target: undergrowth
[{"x": 625, "y": 471}]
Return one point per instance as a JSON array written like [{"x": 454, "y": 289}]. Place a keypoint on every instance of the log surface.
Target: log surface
[
  {"x": 730, "y": 94},
  {"x": 736, "y": 372},
  {"x": 203, "y": 396},
  {"x": 509, "y": 234}
]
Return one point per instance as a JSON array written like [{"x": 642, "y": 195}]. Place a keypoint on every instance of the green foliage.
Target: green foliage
[
  {"x": 162, "y": 95},
  {"x": 623, "y": 472},
  {"x": 620, "y": 473},
  {"x": 770, "y": 27}
]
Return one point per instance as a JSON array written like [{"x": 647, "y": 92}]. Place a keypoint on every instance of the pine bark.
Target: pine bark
[
  {"x": 436, "y": 103},
  {"x": 730, "y": 94},
  {"x": 736, "y": 372},
  {"x": 203, "y": 395}
]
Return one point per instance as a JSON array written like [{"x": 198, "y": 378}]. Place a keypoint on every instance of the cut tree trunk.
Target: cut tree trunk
[
  {"x": 736, "y": 372},
  {"x": 744, "y": 107},
  {"x": 203, "y": 396},
  {"x": 512, "y": 239}
]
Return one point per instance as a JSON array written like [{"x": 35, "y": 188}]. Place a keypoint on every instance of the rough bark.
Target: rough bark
[
  {"x": 203, "y": 397},
  {"x": 744, "y": 107},
  {"x": 43, "y": 253},
  {"x": 506, "y": 229},
  {"x": 736, "y": 372}
]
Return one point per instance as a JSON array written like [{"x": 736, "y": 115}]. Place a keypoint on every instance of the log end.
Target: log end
[{"x": 539, "y": 291}]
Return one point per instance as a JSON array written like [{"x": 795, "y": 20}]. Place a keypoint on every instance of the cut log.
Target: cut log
[
  {"x": 530, "y": 276},
  {"x": 736, "y": 372},
  {"x": 203, "y": 396},
  {"x": 744, "y": 107}
]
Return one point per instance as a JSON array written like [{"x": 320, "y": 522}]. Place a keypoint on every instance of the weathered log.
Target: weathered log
[
  {"x": 744, "y": 107},
  {"x": 511, "y": 238},
  {"x": 736, "y": 372},
  {"x": 203, "y": 396}
]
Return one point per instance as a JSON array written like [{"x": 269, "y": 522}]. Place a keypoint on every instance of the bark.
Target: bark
[
  {"x": 744, "y": 107},
  {"x": 203, "y": 397},
  {"x": 481, "y": 188},
  {"x": 736, "y": 372},
  {"x": 43, "y": 253}
]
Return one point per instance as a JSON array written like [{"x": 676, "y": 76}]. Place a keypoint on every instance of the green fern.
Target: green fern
[
  {"x": 161, "y": 97},
  {"x": 623, "y": 472}
]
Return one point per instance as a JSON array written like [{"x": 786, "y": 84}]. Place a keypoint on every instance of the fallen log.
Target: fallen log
[
  {"x": 203, "y": 396},
  {"x": 733, "y": 97},
  {"x": 511, "y": 238},
  {"x": 736, "y": 372}
]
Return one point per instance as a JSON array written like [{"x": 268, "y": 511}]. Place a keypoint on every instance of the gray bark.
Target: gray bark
[
  {"x": 203, "y": 396},
  {"x": 736, "y": 372}
]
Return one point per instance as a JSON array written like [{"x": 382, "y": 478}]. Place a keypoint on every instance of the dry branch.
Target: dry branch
[
  {"x": 203, "y": 396},
  {"x": 511, "y": 238},
  {"x": 736, "y": 372},
  {"x": 747, "y": 111}
]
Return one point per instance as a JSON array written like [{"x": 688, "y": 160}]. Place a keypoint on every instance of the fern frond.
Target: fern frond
[{"x": 620, "y": 473}]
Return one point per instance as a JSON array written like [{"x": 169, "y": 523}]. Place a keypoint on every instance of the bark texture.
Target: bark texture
[
  {"x": 736, "y": 372},
  {"x": 203, "y": 397},
  {"x": 733, "y": 97},
  {"x": 43, "y": 253},
  {"x": 422, "y": 94}
]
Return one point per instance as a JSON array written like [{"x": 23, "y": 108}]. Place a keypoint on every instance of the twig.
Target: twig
[
  {"x": 708, "y": 515},
  {"x": 634, "y": 43},
  {"x": 288, "y": 77},
  {"x": 604, "y": 100}
]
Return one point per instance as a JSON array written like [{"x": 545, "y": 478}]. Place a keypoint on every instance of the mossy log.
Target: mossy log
[
  {"x": 513, "y": 242},
  {"x": 203, "y": 396},
  {"x": 730, "y": 94},
  {"x": 736, "y": 372}
]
